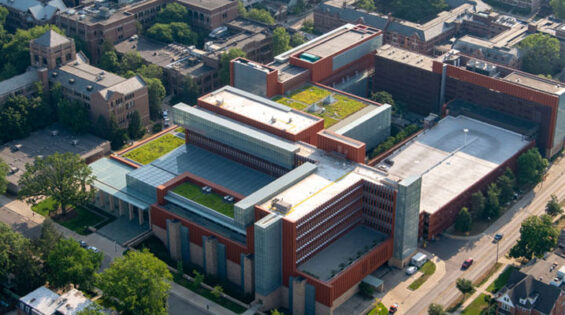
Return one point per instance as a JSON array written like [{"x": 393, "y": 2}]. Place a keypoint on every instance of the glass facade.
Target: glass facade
[
  {"x": 268, "y": 254},
  {"x": 407, "y": 217}
]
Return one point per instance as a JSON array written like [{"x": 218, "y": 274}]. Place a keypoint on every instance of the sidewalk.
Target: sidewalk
[
  {"x": 196, "y": 300},
  {"x": 483, "y": 288},
  {"x": 407, "y": 298}
]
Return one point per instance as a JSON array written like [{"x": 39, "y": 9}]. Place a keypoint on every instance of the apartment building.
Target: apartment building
[{"x": 210, "y": 14}]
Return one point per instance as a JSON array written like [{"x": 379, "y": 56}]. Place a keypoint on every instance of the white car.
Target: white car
[{"x": 411, "y": 270}]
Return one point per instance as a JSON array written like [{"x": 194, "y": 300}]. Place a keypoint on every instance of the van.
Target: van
[{"x": 419, "y": 259}]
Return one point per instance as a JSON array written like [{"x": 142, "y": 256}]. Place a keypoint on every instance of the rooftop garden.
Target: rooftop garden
[
  {"x": 154, "y": 149},
  {"x": 330, "y": 106},
  {"x": 210, "y": 200}
]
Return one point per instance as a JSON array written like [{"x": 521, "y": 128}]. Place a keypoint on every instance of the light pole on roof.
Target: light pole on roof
[{"x": 466, "y": 131}]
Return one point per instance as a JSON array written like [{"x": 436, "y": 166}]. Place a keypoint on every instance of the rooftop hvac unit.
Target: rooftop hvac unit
[
  {"x": 282, "y": 206},
  {"x": 219, "y": 101}
]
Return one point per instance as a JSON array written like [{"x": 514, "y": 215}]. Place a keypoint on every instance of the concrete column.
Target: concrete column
[
  {"x": 120, "y": 207},
  {"x": 211, "y": 256},
  {"x": 102, "y": 200},
  {"x": 140, "y": 215},
  {"x": 111, "y": 203},
  {"x": 247, "y": 263},
  {"x": 130, "y": 206},
  {"x": 149, "y": 216},
  {"x": 174, "y": 239},
  {"x": 298, "y": 296}
]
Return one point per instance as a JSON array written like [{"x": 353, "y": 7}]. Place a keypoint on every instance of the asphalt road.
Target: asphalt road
[
  {"x": 178, "y": 306},
  {"x": 481, "y": 249}
]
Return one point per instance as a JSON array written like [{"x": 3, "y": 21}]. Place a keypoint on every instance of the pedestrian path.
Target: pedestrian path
[
  {"x": 198, "y": 301},
  {"x": 483, "y": 288}
]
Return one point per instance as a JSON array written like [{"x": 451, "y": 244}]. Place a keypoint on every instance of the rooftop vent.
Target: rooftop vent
[
  {"x": 282, "y": 206},
  {"x": 54, "y": 133},
  {"x": 54, "y": 74},
  {"x": 89, "y": 87},
  {"x": 71, "y": 80},
  {"x": 74, "y": 142}
]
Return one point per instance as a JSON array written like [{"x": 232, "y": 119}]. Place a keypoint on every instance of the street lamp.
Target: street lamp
[{"x": 466, "y": 131}]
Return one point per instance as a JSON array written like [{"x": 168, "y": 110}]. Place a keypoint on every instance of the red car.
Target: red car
[
  {"x": 467, "y": 263},
  {"x": 393, "y": 308}
]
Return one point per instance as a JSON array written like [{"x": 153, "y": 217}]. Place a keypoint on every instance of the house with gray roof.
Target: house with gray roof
[
  {"x": 29, "y": 13},
  {"x": 523, "y": 294}
]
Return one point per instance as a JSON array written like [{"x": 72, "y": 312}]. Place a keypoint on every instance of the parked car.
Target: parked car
[
  {"x": 497, "y": 238},
  {"x": 94, "y": 249},
  {"x": 83, "y": 244},
  {"x": 411, "y": 270},
  {"x": 467, "y": 263},
  {"x": 393, "y": 308}
]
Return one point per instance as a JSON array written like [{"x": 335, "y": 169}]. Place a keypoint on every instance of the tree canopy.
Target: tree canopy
[
  {"x": 531, "y": 167},
  {"x": 281, "y": 40},
  {"x": 464, "y": 285},
  {"x": 137, "y": 283},
  {"x": 537, "y": 236},
  {"x": 436, "y": 309},
  {"x": 156, "y": 92},
  {"x": 260, "y": 15},
  {"x": 172, "y": 12},
  {"x": 553, "y": 208},
  {"x": 69, "y": 263},
  {"x": 412, "y": 10},
  {"x": 492, "y": 204},
  {"x": 297, "y": 39},
  {"x": 464, "y": 222},
  {"x": 178, "y": 32},
  {"x": 135, "y": 128},
  {"x": 477, "y": 203},
  {"x": 64, "y": 177},
  {"x": 541, "y": 53},
  {"x": 558, "y": 7},
  {"x": 73, "y": 114},
  {"x": 3, "y": 173},
  {"x": 368, "y": 5},
  {"x": 225, "y": 59}
]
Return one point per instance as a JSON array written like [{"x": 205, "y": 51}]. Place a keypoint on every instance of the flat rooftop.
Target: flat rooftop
[
  {"x": 207, "y": 4},
  {"x": 85, "y": 75},
  {"x": 406, "y": 57},
  {"x": 332, "y": 176},
  {"x": 181, "y": 58},
  {"x": 531, "y": 81},
  {"x": 450, "y": 160},
  {"x": 341, "y": 40},
  {"x": 43, "y": 143},
  {"x": 328, "y": 259},
  {"x": 260, "y": 109}
]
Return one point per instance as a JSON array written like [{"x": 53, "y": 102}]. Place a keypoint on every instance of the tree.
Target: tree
[
  {"x": 436, "y": 309},
  {"x": 109, "y": 61},
  {"x": 172, "y": 12},
  {"x": 506, "y": 186},
  {"x": 190, "y": 91},
  {"x": 297, "y": 39},
  {"x": 558, "y": 7},
  {"x": 531, "y": 167},
  {"x": 156, "y": 92},
  {"x": 225, "y": 59},
  {"x": 382, "y": 97},
  {"x": 3, "y": 172},
  {"x": 152, "y": 71},
  {"x": 101, "y": 128},
  {"x": 197, "y": 278},
  {"x": 14, "y": 123},
  {"x": 118, "y": 136},
  {"x": 160, "y": 32},
  {"x": 464, "y": 285},
  {"x": 553, "y": 207},
  {"x": 217, "y": 291},
  {"x": 368, "y": 5},
  {"x": 464, "y": 221},
  {"x": 241, "y": 9},
  {"x": 308, "y": 26},
  {"x": 92, "y": 309},
  {"x": 281, "y": 40},
  {"x": 16, "y": 258},
  {"x": 137, "y": 283},
  {"x": 74, "y": 115},
  {"x": 69, "y": 263},
  {"x": 183, "y": 34},
  {"x": 412, "y": 10},
  {"x": 135, "y": 128},
  {"x": 537, "y": 236},
  {"x": 260, "y": 15},
  {"x": 492, "y": 204},
  {"x": 66, "y": 178},
  {"x": 131, "y": 60},
  {"x": 541, "y": 53},
  {"x": 48, "y": 239},
  {"x": 477, "y": 203}
]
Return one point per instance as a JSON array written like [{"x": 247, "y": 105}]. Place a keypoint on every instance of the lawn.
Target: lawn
[
  {"x": 479, "y": 282},
  {"x": 477, "y": 306},
  {"x": 501, "y": 280},
  {"x": 154, "y": 149},
  {"x": 211, "y": 200},
  {"x": 427, "y": 269},
  {"x": 340, "y": 109},
  {"x": 379, "y": 310},
  {"x": 44, "y": 206},
  {"x": 179, "y": 129},
  {"x": 310, "y": 94},
  {"x": 79, "y": 220}
]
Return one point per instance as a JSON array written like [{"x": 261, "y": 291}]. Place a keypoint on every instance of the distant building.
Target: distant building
[
  {"x": 43, "y": 301},
  {"x": 210, "y": 14},
  {"x": 489, "y": 50},
  {"x": 103, "y": 94},
  {"x": 97, "y": 22},
  {"x": 524, "y": 295},
  {"x": 531, "y": 5},
  {"x": 23, "y": 84},
  {"x": 408, "y": 35},
  {"x": 201, "y": 65},
  {"x": 29, "y": 13}
]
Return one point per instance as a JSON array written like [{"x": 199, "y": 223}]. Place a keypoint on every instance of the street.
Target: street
[{"x": 453, "y": 252}]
